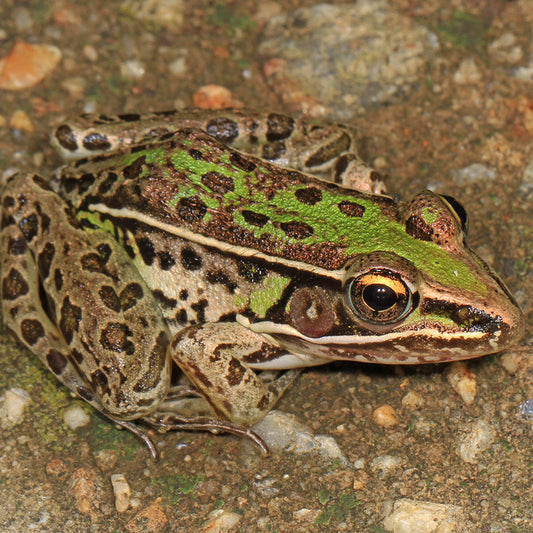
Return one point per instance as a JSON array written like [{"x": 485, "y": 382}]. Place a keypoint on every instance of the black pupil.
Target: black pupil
[{"x": 379, "y": 297}]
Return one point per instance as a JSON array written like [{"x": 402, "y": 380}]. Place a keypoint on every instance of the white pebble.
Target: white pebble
[
  {"x": 411, "y": 516},
  {"x": 12, "y": 405},
  {"x": 75, "y": 417},
  {"x": 478, "y": 439},
  {"x": 122, "y": 492}
]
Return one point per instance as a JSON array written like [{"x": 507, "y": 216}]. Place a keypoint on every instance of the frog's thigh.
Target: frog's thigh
[
  {"x": 211, "y": 356},
  {"x": 73, "y": 298}
]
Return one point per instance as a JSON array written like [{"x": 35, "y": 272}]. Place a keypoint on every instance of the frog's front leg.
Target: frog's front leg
[{"x": 216, "y": 357}]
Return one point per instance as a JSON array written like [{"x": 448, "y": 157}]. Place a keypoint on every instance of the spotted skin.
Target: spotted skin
[{"x": 167, "y": 245}]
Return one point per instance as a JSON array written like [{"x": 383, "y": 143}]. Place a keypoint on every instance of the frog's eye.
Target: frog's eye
[
  {"x": 379, "y": 296},
  {"x": 457, "y": 210}
]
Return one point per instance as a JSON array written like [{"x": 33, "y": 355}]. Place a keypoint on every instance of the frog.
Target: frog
[{"x": 182, "y": 267}]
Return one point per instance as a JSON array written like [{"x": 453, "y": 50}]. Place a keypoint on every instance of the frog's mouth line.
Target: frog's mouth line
[
  {"x": 431, "y": 346},
  {"x": 273, "y": 329}
]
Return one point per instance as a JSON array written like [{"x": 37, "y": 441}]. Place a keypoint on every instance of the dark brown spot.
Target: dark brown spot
[
  {"x": 56, "y": 361},
  {"x": 181, "y": 317},
  {"x": 95, "y": 141},
  {"x": 190, "y": 259},
  {"x": 77, "y": 356},
  {"x": 70, "y": 319},
  {"x": 253, "y": 218},
  {"x": 106, "y": 183},
  {"x": 14, "y": 285},
  {"x": 196, "y": 154},
  {"x": 84, "y": 182},
  {"x": 85, "y": 394},
  {"x": 7, "y": 220},
  {"x": 308, "y": 196},
  {"x": 184, "y": 294},
  {"x": 351, "y": 209},
  {"x": 218, "y": 276},
  {"x": 191, "y": 209},
  {"x": 100, "y": 382},
  {"x": 273, "y": 150},
  {"x": 17, "y": 246},
  {"x": 115, "y": 337},
  {"x": 341, "y": 164},
  {"x": 29, "y": 226},
  {"x": 163, "y": 300},
  {"x": 279, "y": 127},
  {"x": 217, "y": 182},
  {"x": 223, "y": 129},
  {"x": 105, "y": 251},
  {"x": 236, "y": 372},
  {"x": 146, "y": 248},
  {"x": 130, "y": 295},
  {"x": 330, "y": 151},
  {"x": 263, "y": 402},
  {"x": 129, "y": 117},
  {"x": 156, "y": 361},
  {"x": 239, "y": 161},
  {"x": 31, "y": 331},
  {"x": 92, "y": 262},
  {"x": 166, "y": 260},
  {"x": 58, "y": 279},
  {"x": 44, "y": 260},
  {"x": 199, "y": 308},
  {"x": 418, "y": 228},
  {"x": 66, "y": 138},
  {"x": 252, "y": 271},
  {"x": 109, "y": 298},
  {"x": 134, "y": 169},
  {"x": 297, "y": 230}
]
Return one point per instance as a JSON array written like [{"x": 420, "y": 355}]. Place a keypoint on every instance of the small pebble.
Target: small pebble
[
  {"x": 413, "y": 400},
  {"x": 463, "y": 382},
  {"x": 12, "y": 405},
  {"x": 214, "y": 97},
  {"x": 220, "y": 521},
  {"x": 84, "y": 489},
  {"x": 284, "y": 432},
  {"x": 411, "y": 516},
  {"x": 27, "y": 64},
  {"x": 56, "y": 467},
  {"x": 133, "y": 69},
  {"x": 75, "y": 86},
  {"x": 21, "y": 121},
  {"x": 386, "y": 464},
  {"x": 151, "y": 519},
  {"x": 106, "y": 460},
  {"x": 474, "y": 173},
  {"x": 75, "y": 417},
  {"x": 122, "y": 492},
  {"x": 478, "y": 439},
  {"x": 385, "y": 416},
  {"x": 467, "y": 73},
  {"x": 505, "y": 49}
]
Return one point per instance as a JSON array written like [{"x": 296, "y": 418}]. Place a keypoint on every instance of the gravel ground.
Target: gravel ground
[{"x": 441, "y": 95}]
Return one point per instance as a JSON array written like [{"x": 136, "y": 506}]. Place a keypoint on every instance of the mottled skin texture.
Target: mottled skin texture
[{"x": 170, "y": 247}]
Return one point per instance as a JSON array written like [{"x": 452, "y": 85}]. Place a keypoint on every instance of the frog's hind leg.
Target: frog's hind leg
[{"x": 43, "y": 255}]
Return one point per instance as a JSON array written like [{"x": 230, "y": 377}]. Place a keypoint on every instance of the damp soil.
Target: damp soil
[{"x": 53, "y": 478}]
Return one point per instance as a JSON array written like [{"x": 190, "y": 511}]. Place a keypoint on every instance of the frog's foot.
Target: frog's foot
[
  {"x": 350, "y": 171},
  {"x": 165, "y": 422}
]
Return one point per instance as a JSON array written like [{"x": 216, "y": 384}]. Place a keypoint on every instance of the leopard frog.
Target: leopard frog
[{"x": 225, "y": 243}]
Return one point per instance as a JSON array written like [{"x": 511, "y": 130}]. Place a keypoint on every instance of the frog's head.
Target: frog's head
[{"x": 420, "y": 296}]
